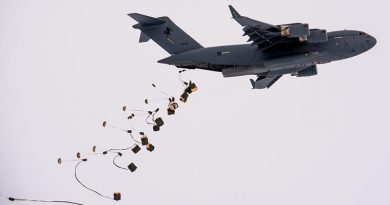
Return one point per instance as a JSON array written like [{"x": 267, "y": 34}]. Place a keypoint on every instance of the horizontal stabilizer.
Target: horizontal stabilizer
[{"x": 146, "y": 20}]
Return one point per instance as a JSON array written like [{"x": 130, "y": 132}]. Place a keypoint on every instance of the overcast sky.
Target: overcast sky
[{"x": 66, "y": 66}]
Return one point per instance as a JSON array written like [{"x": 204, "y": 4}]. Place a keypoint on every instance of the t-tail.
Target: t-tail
[{"x": 165, "y": 33}]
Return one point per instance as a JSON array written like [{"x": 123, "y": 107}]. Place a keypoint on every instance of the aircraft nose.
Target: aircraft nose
[
  {"x": 373, "y": 41},
  {"x": 370, "y": 41}
]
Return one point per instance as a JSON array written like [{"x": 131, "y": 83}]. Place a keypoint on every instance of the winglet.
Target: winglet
[{"x": 235, "y": 14}]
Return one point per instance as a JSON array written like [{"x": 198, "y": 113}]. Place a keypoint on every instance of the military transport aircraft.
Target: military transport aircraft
[{"x": 275, "y": 50}]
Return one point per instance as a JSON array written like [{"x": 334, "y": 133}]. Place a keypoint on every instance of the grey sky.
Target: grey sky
[{"x": 66, "y": 66}]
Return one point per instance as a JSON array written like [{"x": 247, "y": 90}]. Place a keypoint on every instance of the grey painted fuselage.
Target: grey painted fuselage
[
  {"x": 247, "y": 59},
  {"x": 275, "y": 50}
]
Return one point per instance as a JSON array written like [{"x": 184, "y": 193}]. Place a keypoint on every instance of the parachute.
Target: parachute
[{"x": 136, "y": 144}]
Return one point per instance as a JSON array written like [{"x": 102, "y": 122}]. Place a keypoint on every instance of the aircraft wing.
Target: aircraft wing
[{"x": 266, "y": 35}]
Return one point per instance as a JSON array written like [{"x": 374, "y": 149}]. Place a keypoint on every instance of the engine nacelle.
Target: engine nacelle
[
  {"x": 317, "y": 36},
  {"x": 309, "y": 71},
  {"x": 295, "y": 30}
]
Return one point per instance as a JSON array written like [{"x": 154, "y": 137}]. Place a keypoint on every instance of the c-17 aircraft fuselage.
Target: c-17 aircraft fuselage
[{"x": 275, "y": 50}]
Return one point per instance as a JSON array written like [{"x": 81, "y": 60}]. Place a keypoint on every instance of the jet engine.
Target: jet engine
[
  {"x": 317, "y": 36},
  {"x": 295, "y": 30}
]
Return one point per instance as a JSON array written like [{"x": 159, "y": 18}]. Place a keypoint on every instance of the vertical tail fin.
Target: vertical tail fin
[{"x": 165, "y": 33}]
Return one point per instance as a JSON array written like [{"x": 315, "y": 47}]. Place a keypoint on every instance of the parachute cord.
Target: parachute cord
[
  {"x": 113, "y": 161},
  {"x": 181, "y": 80},
  {"x": 145, "y": 111},
  {"x": 112, "y": 126},
  {"x": 154, "y": 119},
  {"x": 75, "y": 175},
  {"x": 184, "y": 83},
  {"x": 157, "y": 99},
  {"x": 158, "y": 89},
  {"x": 149, "y": 123},
  {"x": 124, "y": 149},
  {"x": 132, "y": 137},
  {"x": 45, "y": 201},
  {"x": 90, "y": 154},
  {"x": 126, "y": 131},
  {"x": 72, "y": 160},
  {"x": 141, "y": 114},
  {"x": 185, "y": 74},
  {"x": 133, "y": 127}
]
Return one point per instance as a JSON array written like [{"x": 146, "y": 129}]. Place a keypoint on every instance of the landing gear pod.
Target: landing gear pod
[
  {"x": 117, "y": 196},
  {"x": 132, "y": 167}
]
